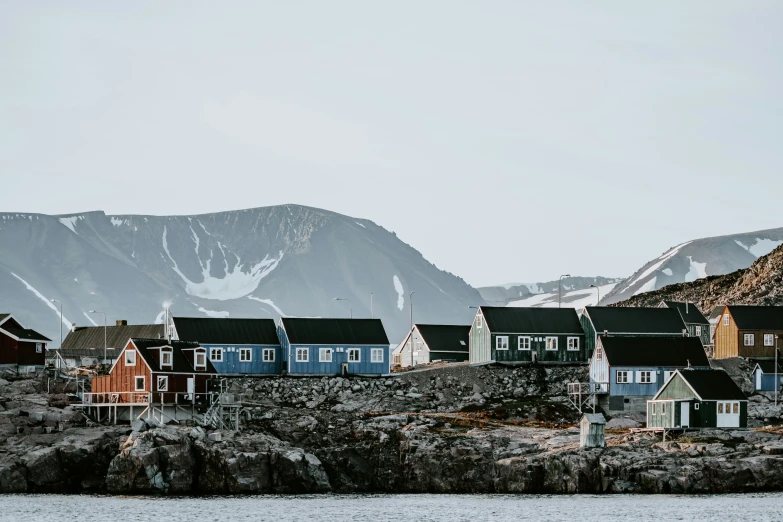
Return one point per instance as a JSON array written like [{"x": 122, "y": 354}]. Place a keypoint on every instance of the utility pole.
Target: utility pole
[
  {"x": 61, "y": 323},
  {"x": 104, "y": 332},
  {"x": 777, "y": 379},
  {"x": 372, "y": 315},
  {"x": 410, "y": 298},
  {"x": 598, "y": 288},
  {"x": 560, "y": 288}
]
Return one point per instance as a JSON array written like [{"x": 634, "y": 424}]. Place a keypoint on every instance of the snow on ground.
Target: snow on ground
[
  {"x": 761, "y": 247},
  {"x": 268, "y": 302},
  {"x": 657, "y": 264},
  {"x": 400, "y": 292},
  {"x": 697, "y": 271},
  {"x": 213, "y": 313},
  {"x": 43, "y": 298},
  {"x": 571, "y": 299},
  {"x": 70, "y": 222}
]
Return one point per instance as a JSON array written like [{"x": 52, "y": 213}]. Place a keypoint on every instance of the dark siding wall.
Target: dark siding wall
[
  {"x": 28, "y": 356},
  {"x": 758, "y": 349},
  {"x": 587, "y": 326},
  {"x": 538, "y": 347},
  {"x": 7, "y": 350}
]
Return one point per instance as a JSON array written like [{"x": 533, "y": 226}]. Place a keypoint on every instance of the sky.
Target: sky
[{"x": 507, "y": 141}]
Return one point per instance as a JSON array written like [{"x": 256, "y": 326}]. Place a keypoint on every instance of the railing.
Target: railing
[
  {"x": 177, "y": 398},
  {"x": 97, "y": 398},
  {"x": 581, "y": 394}
]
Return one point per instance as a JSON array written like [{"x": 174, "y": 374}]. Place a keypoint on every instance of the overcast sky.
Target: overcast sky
[{"x": 507, "y": 141}]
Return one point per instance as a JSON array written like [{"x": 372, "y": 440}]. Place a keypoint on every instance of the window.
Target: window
[
  {"x": 418, "y": 347},
  {"x": 354, "y": 355},
  {"x": 654, "y": 409},
  {"x": 38, "y": 347},
  {"x": 599, "y": 354},
  {"x": 524, "y": 343},
  {"x": 573, "y": 343},
  {"x": 216, "y": 354},
  {"x": 324, "y": 355},
  {"x": 698, "y": 331},
  {"x": 769, "y": 340},
  {"x": 735, "y": 408},
  {"x": 501, "y": 342},
  {"x": 623, "y": 377},
  {"x": 163, "y": 383},
  {"x": 376, "y": 355},
  {"x": 720, "y": 407},
  {"x": 696, "y": 406},
  {"x": 551, "y": 343},
  {"x": 479, "y": 321},
  {"x": 726, "y": 320},
  {"x": 750, "y": 339},
  {"x": 140, "y": 383},
  {"x": 245, "y": 355},
  {"x": 666, "y": 375},
  {"x": 663, "y": 408},
  {"x": 302, "y": 354},
  {"x": 268, "y": 355},
  {"x": 645, "y": 377},
  {"x": 165, "y": 357},
  {"x": 201, "y": 359},
  {"x": 130, "y": 357}
]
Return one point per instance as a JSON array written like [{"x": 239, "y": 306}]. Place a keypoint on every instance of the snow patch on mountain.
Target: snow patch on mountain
[
  {"x": 668, "y": 271},
  {"x": 213, "y": 313},
  {"x": 89, "y": 318},
  {"x": 43, "y": 298},
  {"x": 655, "y": 266},
  {"x": 70, "y": 222},
  {"x": 400, "y": 292},
  {"x": 697, "y": 270},
  {"x": 646, "y": 287},
  {"x": 270, "y": 303},
  {"x": 572, "y": 299},
  {"x": 761, "y": 247}
]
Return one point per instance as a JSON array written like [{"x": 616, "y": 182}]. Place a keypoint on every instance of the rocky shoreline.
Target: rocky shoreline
[{"x": 451, "y": 430}]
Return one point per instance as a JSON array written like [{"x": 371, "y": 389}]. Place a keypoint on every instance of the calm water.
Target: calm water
[{"x": 381, "y": 508}]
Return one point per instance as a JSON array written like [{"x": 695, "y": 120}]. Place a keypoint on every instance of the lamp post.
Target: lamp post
[
  {"x": 598, "y": 288},
  {"x": 410, "y": 298},
  {"x": 777, "y": 379},
  {"x": 372, "y": 315},
  {"x": 104, "y": 332},
  {"x": 350, "y": 305},
  {"x": 61, "y": 322},
  {"x": 560, "y": 288}
]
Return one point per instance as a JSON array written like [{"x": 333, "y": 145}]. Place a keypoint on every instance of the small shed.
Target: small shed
[
  {"x": 766, "y": 373},
  {"x": 592, "y": 430}
]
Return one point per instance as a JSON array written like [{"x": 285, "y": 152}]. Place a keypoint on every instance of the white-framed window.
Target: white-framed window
[
  {"x": 245, "y": 355},
  {"x": 749, "y": 339},
  {"x": 696, "y": 406},
  {"x": 501, "y": 342},
  {"x": 599, "y": 354},
  {"x": 523, "y": 343},
  {"x": 573, "y": 343},
  {"x": 166, "y": 358},
  {"x": 163, "y": 383},
  {"x": 130, "y": 357},
  {"x": 216, "y": 354},
  {"x": 302, "y": 354},
  {"x": 268, "y": 355},
  {"x": 666, "y": 375},
  {"x": 38, "y": 347},
  {"x": 645, "y": 377},
  {"x": 654, "y": 409},
  {"x": 769, "y": 339},
  {"x": 735, "y": 406},
  {"x": 663, "y": 408},
  {"x": 479, "y": 321},
  {"x": 140, "y": 383},
  {"x": 551, "y": 343},
  {"x": 725, "y": 319},
  {"x": 376, "y": 355},
  {"x": 354, "y": 355},
  {"x": 201, "y": 359},
  {"x": 324, "y": 355},
  {"x": 698, "y": 331},
  {"x": 623, "y": 377}
]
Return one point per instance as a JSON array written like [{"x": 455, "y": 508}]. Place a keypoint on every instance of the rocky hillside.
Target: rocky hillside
[
  {"x": 698, "y": 259},
  {"x": 263, "y": 262},
  {"x": 761, "y": 283}
]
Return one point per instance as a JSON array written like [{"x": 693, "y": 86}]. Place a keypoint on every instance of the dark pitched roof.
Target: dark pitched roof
[
  {"x": 532, "y": 320},
  {"x": 713, "y": 385},
  {"x": 750, "y": 317},
  {"x": 3, "y": 316},
  {"x": 635, "y": 320},
  {"x": 208, "y": 330},
  {"x": 25, "y": 334},
  {"x": 654, "y": 351},
  {"x": 688, "y": 311},
  {"x": 181, "y": 364},
  {"x": 445, "y": 338},
  {"x": 717, "y": 311},
  {"x": 334, "y": 331},
  {"x": 768, "y": 365},
  {"x": 87, "y": 341}
]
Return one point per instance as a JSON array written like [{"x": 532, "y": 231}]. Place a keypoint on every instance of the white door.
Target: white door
[
  {"x": 191, "y": 385},
  {"x": 758, "y": 380},
  {"x": 685, "y": 415},
  {"x": 728, "y": 414}
]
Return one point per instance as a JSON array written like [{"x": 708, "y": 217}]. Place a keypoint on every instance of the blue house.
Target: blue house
[
  {"x": 334, "y": 346},
  {"x": 234, "y": 346},
  {"x": 764, "y": 375},
  {"x": 623, "y": 368}
]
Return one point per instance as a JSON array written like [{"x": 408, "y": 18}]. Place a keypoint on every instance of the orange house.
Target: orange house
[{"x": 748, "y": 331}]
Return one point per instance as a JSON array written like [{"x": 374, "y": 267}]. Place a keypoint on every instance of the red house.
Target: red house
[
  {"x": 20, "y": 346},
  {"x": 156, "y": 371}
]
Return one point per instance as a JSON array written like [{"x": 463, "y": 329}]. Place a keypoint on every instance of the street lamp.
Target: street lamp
[
  {"x": 350, "y": 305},
  {"x": 777, "y": 379},
  {"x": 410, "y": 298},
  {"x": 598, "y": 288},
  {"x": 372, "y": 315},
  {"x": 61, "y": 322},
  {"x": 104, "y": 332},
  {"x": 560, "y": 288}
]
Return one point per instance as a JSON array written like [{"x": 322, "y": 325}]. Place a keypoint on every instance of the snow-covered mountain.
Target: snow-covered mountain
[
  {"x": 696, "y": 259},
  {"x": 575, "y": 290},
  {"x": 263, "y": 262}
]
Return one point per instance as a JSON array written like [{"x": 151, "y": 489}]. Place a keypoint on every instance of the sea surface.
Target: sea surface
[{"x": 382, "y": 508}]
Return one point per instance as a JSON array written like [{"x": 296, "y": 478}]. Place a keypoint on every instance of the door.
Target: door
[
  {"x": 685, "y": 415},
  {"x": 728, "y": 414},
  {"x": 191, "y": 387},
  {"x": 758, "y": 379}
]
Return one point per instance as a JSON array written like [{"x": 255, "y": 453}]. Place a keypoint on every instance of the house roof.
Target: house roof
[
  {"x": 713, "y": 385},
  {"x": 87, "y": 341},
  {"x": 749, "y": 317},
  {"x": 3, "y": 316},
  {"x": 445, "y": 337},
  {"x": 717, "y": 311},
  {"x": 25, "y": 334},
  {"x": 654, "y": 351},
  {"x": 532, "y": 320},
  {"x": 594, "y": 418},
  {"x": 768, "y": 366},
  {"x": 209, "y": 330},
  {"x": 334, "y": 331},
  {"x": 181, "y": 364},
  {"x": 688, "y": 311},
  {"x": 635, "y": 320}
]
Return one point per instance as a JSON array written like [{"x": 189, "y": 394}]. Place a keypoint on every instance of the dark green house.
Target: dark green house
[
  {"x": 695, "y": 322},
  {"x": 512, "y": 336},
  {"x": 698, "y": 399},
  {"x": 629, "y": 322}
]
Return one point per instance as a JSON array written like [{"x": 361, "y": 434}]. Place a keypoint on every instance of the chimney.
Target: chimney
[
  {"x": 73, "y": 327},
  {"x": 121, "y": 322}
]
